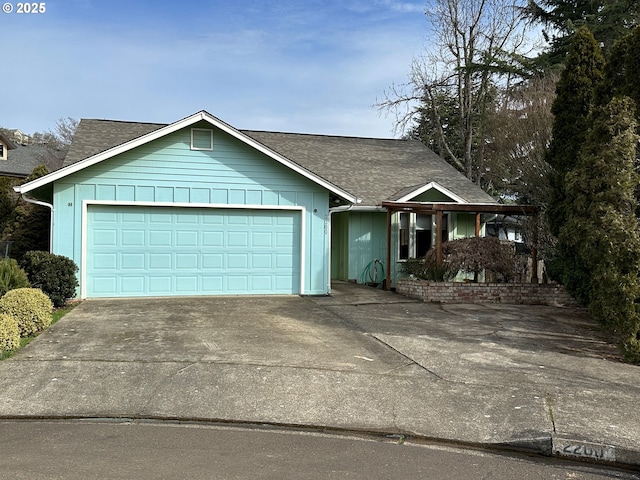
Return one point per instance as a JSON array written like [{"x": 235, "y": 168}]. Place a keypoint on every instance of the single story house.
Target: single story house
[{"x": 198, "y": 207}]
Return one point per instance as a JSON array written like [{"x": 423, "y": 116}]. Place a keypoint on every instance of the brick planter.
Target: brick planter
[{"x": 510, "y": 293}]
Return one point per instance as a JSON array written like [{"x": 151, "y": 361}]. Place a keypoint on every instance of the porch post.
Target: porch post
[
  {"x": 478, "y": 214},
  {"x": 387, "y": 282},
  {"x": 439, "y": 237},
  {"x": 534, "y": 249}
]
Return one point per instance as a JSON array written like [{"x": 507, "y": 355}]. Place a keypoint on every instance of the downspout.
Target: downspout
[{"x": 48, "y": 205}]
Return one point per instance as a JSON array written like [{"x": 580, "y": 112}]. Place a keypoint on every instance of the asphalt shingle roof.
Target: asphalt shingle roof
[
  {"x": 23, "y": 159},
  {"x": 373, "y": 169}
]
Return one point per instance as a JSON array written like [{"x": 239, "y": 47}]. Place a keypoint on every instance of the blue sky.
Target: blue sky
[{"x": 288, "y": 65}]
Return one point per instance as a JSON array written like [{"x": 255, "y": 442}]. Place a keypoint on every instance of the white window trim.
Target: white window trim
[
  {"x": 202, "y": 130},
  {"x": 85, "y": 219}
]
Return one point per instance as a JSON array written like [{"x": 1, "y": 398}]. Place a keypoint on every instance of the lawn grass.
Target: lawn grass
[{"x": 57, "y": 314}]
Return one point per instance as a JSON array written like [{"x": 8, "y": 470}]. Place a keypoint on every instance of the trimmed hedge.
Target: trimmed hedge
[
  {"x": 30, "y": 308},
  {"x": 9, "y": 333},
  {"x": 54, "y": 274}
]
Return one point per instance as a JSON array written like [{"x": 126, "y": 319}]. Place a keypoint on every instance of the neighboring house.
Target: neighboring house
[
  {"x": 19, "y": 160},
  {"x": 20, "y": 137},
  {"x": 198, "y": 207}
]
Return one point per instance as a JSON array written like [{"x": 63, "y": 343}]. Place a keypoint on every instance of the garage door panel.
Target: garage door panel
[
  {"x": 186, "y": 284},
  {"x": 105, "y": 237},
  {"x": 133, "y": 284},
  {"x": 133, "y": 261},
  {"x": 159, "y": 261},
  {"x": 212, "y": 261},
  {"x": 212, "y": 284},
  {"x": 191, "y": 251},
  {"x": 106, "y": 261},
  {"x": 133, "y": 238},
  {"x": 186, "y": 238},
  {"x": 136, "y": 218},
  {"x": 160, "y": 238},
  {"x": 212, "y": 239}
]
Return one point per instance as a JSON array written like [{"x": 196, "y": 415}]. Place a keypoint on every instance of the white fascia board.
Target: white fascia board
[
  {"x": 435, "y": 186},
  {"x": 180, "y": 124}
]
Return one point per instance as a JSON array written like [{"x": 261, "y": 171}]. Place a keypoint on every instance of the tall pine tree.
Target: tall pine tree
[
  {"x": 608, "y": 20},
  {"x": 571, "y": 110},
  {"x": 601, "y": 233}
]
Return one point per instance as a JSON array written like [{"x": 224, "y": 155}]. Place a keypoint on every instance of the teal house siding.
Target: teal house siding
[
  {"x": 367, "y": 243},
  {"x": 340, "y": 246},
  {"x": 358, "y": 239},
  {"x": 167, "y": 171}
]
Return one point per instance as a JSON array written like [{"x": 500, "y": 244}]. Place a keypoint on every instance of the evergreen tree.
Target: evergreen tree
[
  {"x": 620, "y": 78},
  {"x": 601, "y": 235},
  {"x": 608, "y": 20},
  {"x": 571, "y": 109},
  {"x": 621, "y": 71},
  {"x": 29, "y": 225}
]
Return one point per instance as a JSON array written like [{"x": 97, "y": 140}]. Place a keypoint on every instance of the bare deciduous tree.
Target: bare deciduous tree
[{"x": 475, "y": 46}]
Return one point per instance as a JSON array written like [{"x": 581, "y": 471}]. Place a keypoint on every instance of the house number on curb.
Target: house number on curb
[{"x": 573, "y": 448}]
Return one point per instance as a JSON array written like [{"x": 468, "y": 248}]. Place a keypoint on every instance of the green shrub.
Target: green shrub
[
  {"x": 9, "y": 333},
  {"x": 54, "y": 274},
  {"x": 12, "y": 276},
  {"x": 30, "y": 308}
]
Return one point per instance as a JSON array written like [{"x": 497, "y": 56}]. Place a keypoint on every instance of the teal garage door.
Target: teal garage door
[{"x": 162, "y": 251}]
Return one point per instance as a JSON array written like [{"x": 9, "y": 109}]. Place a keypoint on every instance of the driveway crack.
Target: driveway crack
[{"x": 410, "y": 360}]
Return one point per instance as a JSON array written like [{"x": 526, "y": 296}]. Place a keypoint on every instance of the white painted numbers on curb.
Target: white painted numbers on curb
[{"x": 579, "y": 449}]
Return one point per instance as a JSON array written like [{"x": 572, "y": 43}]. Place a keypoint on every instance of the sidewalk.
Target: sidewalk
[{"x": 531, "y": 378}]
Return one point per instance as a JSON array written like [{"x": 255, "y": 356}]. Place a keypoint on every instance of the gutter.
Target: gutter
[{"x": 49, "y": 206}]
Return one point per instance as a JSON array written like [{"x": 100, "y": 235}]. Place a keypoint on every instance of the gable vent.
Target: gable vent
[{"x": 201, "y": 139}]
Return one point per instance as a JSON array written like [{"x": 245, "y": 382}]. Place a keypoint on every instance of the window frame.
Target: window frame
[{"x": 210, "y": 131}]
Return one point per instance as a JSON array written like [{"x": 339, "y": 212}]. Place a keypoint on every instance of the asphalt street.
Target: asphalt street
[{"x": 109, "y": 450}]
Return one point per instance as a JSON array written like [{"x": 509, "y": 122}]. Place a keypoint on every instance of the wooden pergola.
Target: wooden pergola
[{"x": 438, "y": 209}]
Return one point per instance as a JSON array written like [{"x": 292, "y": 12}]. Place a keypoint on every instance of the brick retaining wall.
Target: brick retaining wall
[{"x": 513, "y": 293}]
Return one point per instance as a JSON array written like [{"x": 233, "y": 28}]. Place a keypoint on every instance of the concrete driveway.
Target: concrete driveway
[{"x": 538, "y": 378}]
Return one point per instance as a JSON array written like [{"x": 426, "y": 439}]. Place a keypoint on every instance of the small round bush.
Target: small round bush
[
  {"x": 9, "y": 333},
  {"x": 29, "y": 307},
  {"x": 12, "y": 276},
  {"x": 54, "y": 274}
]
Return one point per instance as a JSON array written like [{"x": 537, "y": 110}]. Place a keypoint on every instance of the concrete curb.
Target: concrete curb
[{"x": 545, "y": 445}]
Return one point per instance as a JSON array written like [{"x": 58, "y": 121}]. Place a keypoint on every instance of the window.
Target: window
[
  {"x": 416, "y": 234},
  {"x": 423, "y": 234},
  {"x": 1, "y": 151},
  {"x": 404, "y": 236},
  {"x": 201, "y": 139}
]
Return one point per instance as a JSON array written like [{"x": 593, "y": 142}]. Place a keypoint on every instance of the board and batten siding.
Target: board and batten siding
[
  {"x": 367, "y": 242},
  {"x": 167, "y": 171}
]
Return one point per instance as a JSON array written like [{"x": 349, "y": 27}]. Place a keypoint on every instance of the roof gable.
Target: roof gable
[
  {"x": 5, "y": 140},
  {"x": 415, "y": 194},
  {"x": 137, "y": 137}
]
